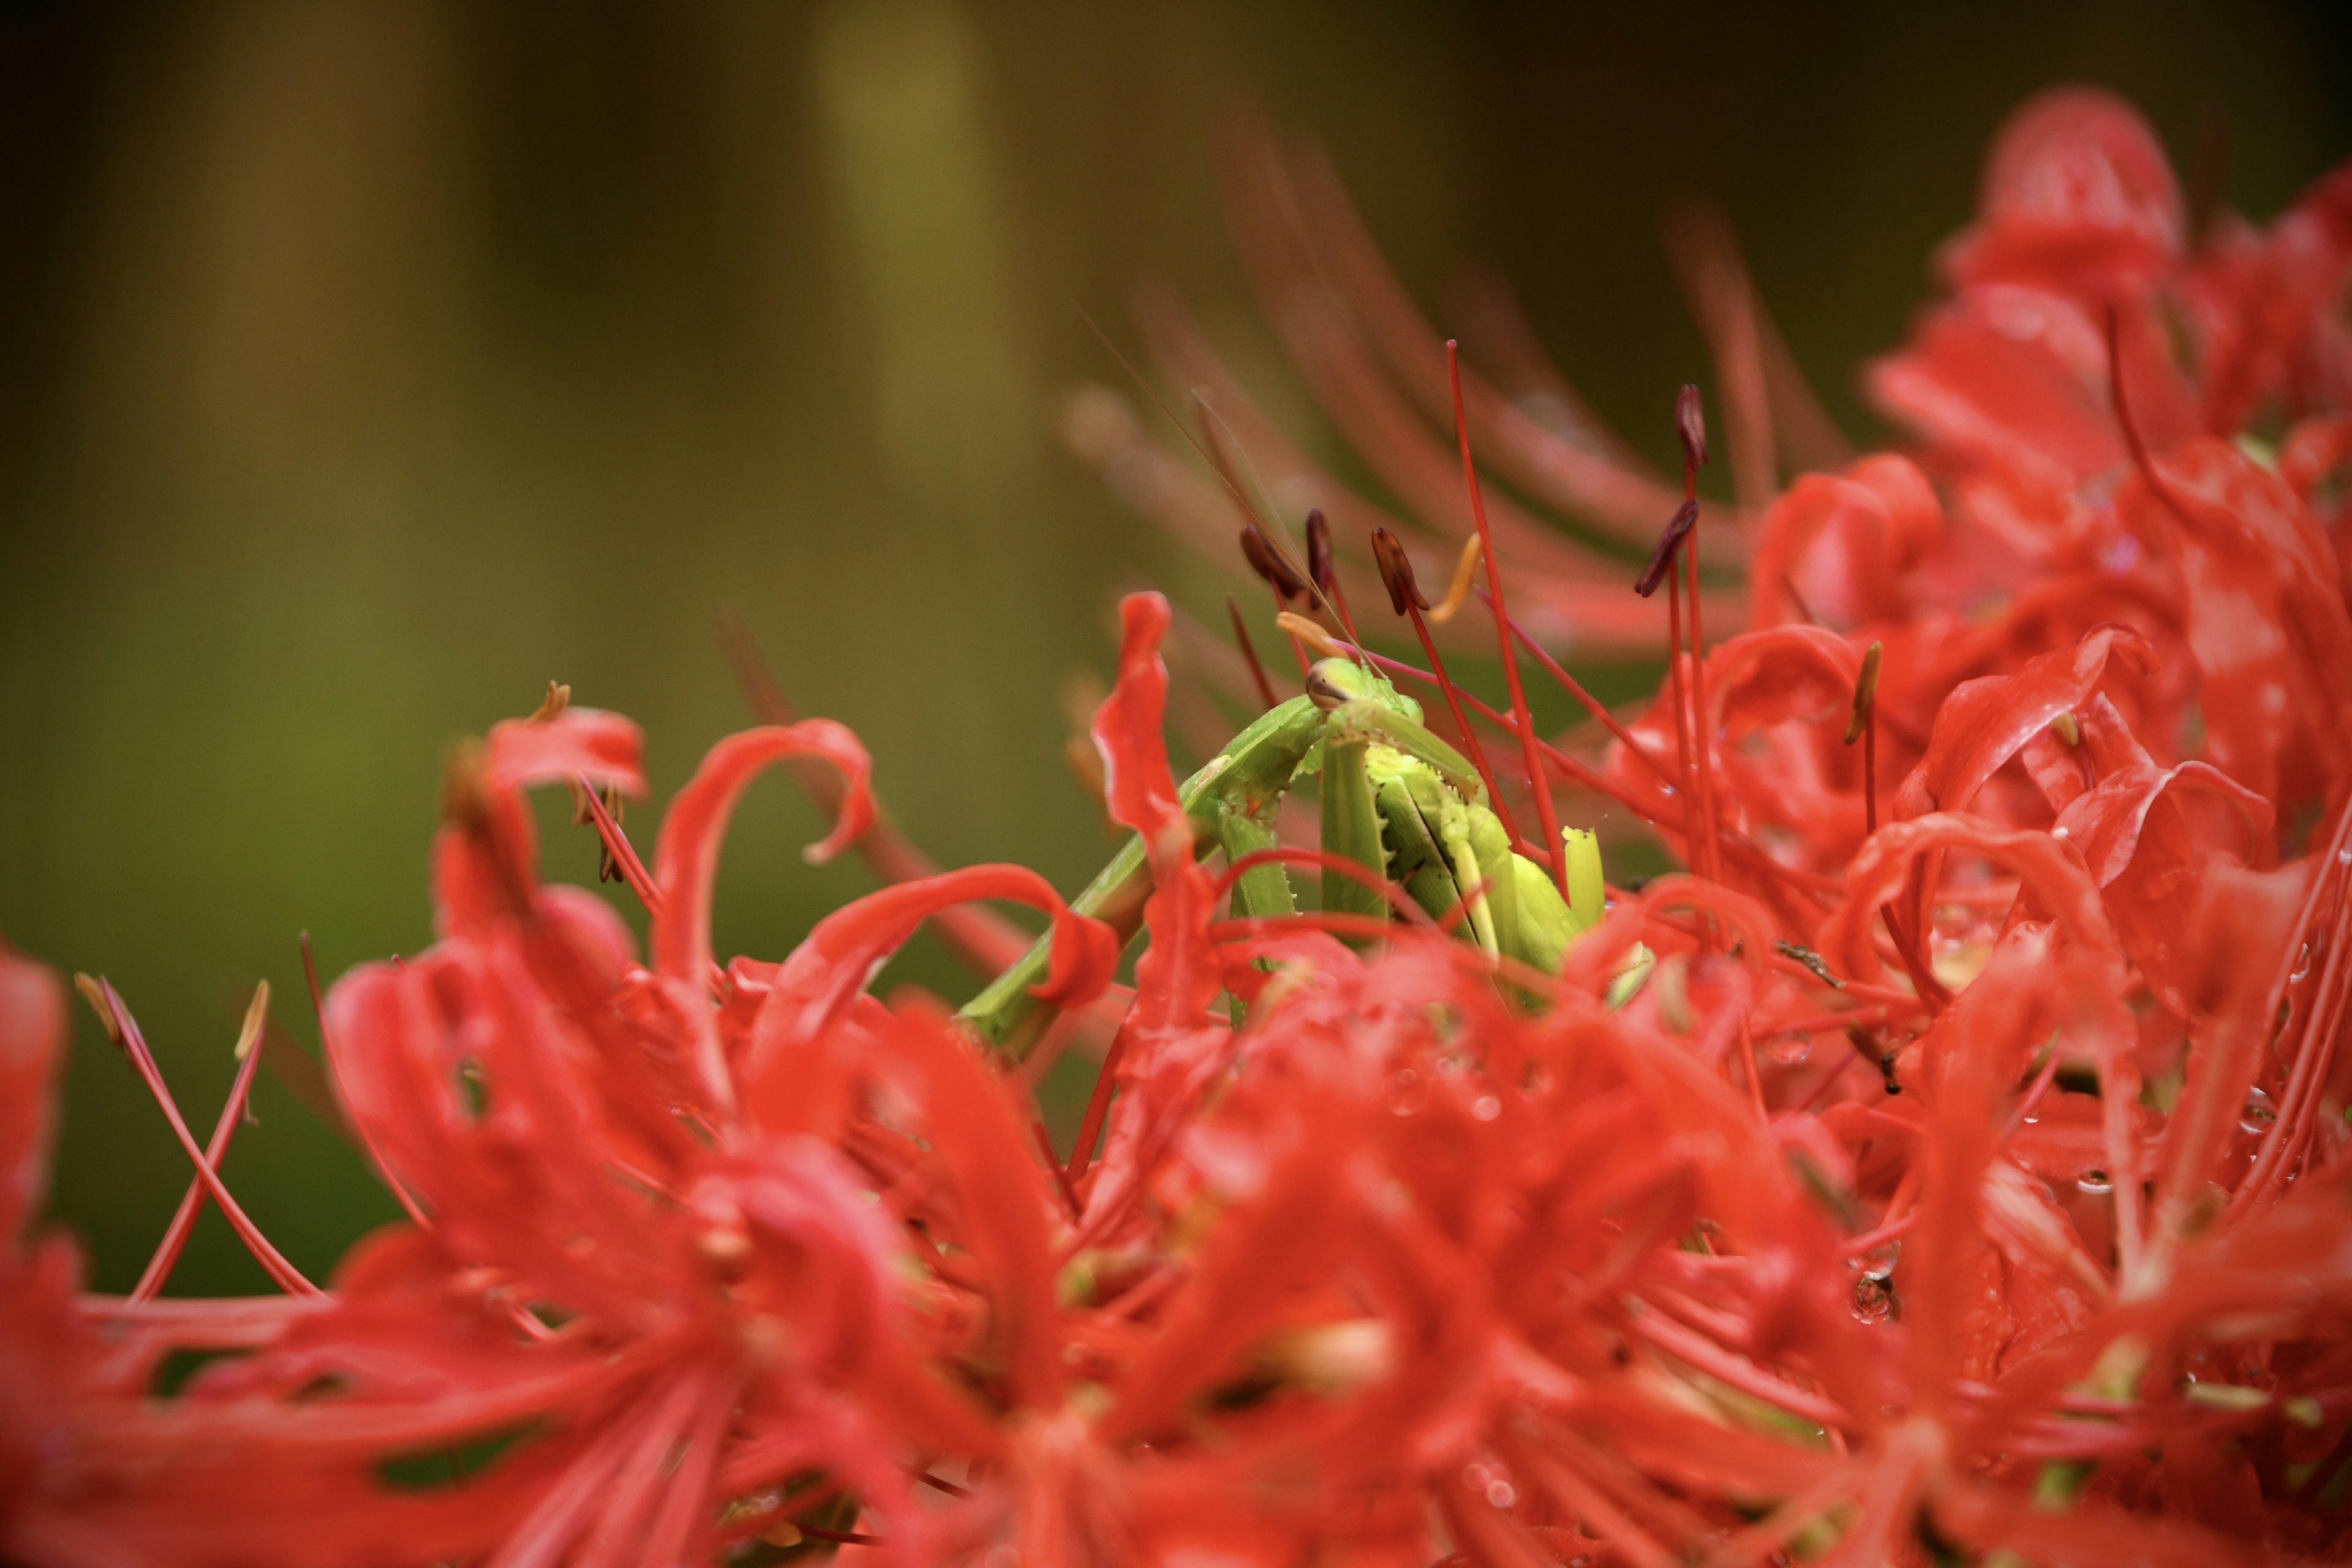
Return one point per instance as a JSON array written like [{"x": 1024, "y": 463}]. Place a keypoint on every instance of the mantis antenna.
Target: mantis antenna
[{"x": 1212, "y": 454}]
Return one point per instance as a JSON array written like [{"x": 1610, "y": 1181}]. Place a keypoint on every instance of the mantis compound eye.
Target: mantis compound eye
[{"x": 1335, "y": 681}]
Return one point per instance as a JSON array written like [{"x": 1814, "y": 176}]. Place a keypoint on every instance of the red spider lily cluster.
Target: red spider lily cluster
[{"x": 1955, "y": 1175}]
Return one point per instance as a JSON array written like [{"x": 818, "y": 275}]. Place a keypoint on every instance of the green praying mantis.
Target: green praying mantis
[{"x": 1395, "y": 800}]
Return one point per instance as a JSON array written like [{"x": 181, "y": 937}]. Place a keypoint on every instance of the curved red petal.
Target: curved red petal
[
  {"x": 686, "y": 864},
  {"x": 32, "y": 1034}
]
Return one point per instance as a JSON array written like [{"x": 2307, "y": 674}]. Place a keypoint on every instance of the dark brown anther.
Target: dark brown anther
[
  {"x": 1690, "y": 423},
  {"x": 1686, "y": 519},
  {"x": 1319, "y": 549},
  {"x": 608, "y": 868},
  {"x": 1867, "y": 1047},
  {"x": 1396, "y": 572},
  {"x": 1865, "y": 694},
  {"x": 1268, "y": 564}
]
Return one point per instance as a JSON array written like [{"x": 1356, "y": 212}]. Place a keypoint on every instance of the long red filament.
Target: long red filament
[
  {"x": 1702, "y": 723},
  {"x": 1323, "y": 859},
  {"x": 1870, "y": 769},
  {"x": 287, "y": 1277},
  {"x": 1684, "y": 793},
  {"x": 1592, "y": 704},
  {"x": 2132, "y": 441},
  {"x": 1790, "y": 877},
  {"x": 319, "y": 1011},
  {"x": 158, "y": 1271},
  {"x": 624, "y": 855},
  {"x": 1537, "y": 780},
  {"x": 1249, "y": 653},
  {"x": 1082, "y": 1152},
  {"x": 1454, "y": 696}
]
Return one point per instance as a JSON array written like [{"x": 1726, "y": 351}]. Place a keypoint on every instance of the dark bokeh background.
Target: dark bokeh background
[{"x": 364, "y": 366}]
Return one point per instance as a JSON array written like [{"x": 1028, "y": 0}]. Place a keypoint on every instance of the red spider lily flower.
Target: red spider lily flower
[
  {"x": 93, "y": 1469},
  {"x": 1955, "y": 1169},
  {"x": 640, "y": 1231},
  {"x": 2093, "y": 951}
]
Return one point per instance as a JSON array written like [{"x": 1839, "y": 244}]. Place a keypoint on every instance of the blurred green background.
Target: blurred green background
[{"x": 364, "y": 366}]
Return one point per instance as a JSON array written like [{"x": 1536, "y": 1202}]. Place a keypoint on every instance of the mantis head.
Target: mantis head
[{"x": 1333, "y": 683}]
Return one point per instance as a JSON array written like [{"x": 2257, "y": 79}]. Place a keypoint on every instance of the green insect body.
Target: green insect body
[{"x": 1395, "y": 800}]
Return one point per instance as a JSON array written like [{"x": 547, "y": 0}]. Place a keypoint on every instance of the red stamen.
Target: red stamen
[
  {"x": 2137, "y": 447},
  {"x": 1405, "y": 598},
  {"x": 1323, "y": 859},
  {"x": 1537, "y": 780},
  {"x": 1045, "y": 1152},
  {"x": 1090, "y": 1126},
  {"x": 1684, "y": 745},
  {"x": 622, "y": 853},
  {"x": 1864, "y": 726},
  {"x": 1320, "y": 571},
  {"x": 1924, "y": 982},
  {"x": 184, "y": 1220},
  {"x": 1870, "y": 772},
  {"x": 1790, "y": 877},
  {"x": 125, "y": 1029},
  {"x": 1591, "y": 704},
  {"x": 1690, "y": 422},
  {"x": 1249, "y": 653},
  {"x": 1454, "y": 696},
  {"x": 1702, "y": 723},
  {"x": 375, "y": 1156}
]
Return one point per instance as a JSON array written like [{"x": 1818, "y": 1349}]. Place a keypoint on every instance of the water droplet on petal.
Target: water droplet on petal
[
  {"x": 1501, "y": 1494},
  {"x": 1879, "y": 1262},
  {"x": 2259, "y": 1113},
  {"x": 2302, "y": 964},
  {"x": 1872, "y": 1301},
  {"x": 1485, "y": 1108},
  {"x": 2094, "y": 1183}
]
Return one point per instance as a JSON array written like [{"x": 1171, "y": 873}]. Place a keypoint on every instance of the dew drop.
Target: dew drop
[
  {"x": 1872, "y": 1301},
  {"x": 2259, "y": 1113},
  {"x": 1500, "y": 1493},
  {"x": 2343, "y": 857},
  {"x": 1485, "y": 1108},
  {"x": 1407, "y": 1093},
  {"x": 2302, "y": 964},
  {"x": 1878, "y": 1263},
  {"x": 2094, "y": 1183}
]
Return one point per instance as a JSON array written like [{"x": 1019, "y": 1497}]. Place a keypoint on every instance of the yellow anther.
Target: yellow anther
[
  {"x": 256, "y": 1016},
  {"x": 1313, "y": 635},
  {"x": 558, "y": 698},
  {"x": 1464, "y": 572}
]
